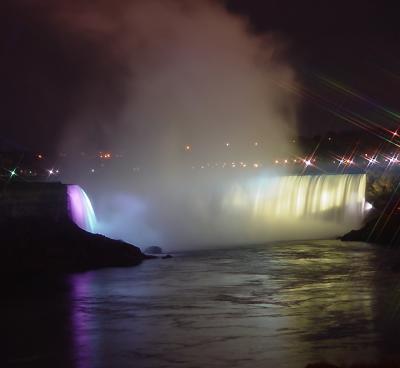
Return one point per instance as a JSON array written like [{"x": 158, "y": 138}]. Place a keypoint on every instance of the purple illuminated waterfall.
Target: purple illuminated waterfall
[{"x": 80, "y": 208}]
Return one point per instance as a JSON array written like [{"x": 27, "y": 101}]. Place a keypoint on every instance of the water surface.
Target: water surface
[{"x": 281, "y": 305}]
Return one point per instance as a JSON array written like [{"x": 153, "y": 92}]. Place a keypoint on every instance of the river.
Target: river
[{"x": 274, "y": 305}]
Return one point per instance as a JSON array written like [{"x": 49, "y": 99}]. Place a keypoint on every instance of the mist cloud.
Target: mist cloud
[{"x": 176, "y": 74}]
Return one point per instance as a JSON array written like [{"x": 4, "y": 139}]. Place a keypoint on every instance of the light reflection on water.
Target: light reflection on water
[{"x": 281, "y": 305}]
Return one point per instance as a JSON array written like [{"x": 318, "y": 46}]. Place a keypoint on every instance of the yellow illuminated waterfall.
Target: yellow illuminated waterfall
[
  {"x": 311, "y": 205},
  {"x": 330, "y": 196}
]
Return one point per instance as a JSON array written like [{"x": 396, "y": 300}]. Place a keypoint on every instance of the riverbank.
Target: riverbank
[
  {"x": 382, "y": 226},
  {"x": 32, "y": 246}
]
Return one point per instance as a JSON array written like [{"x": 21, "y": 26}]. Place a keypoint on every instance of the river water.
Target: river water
[{"x": 276, "y": 305}]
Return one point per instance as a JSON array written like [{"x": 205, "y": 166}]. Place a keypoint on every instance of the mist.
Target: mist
[{"x": 188, "y": 101}]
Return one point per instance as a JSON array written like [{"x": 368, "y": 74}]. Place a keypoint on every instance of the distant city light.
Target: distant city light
[
  {"x": 256, "y": 165},
  {"x": 307, "y": 162},
  {"x": 256, "y": 144},
  {"x": 277, "y": 161},
  {"x": 13, "y": 173},
  {"x": 105, "y": 155},
  {"x": 227, "y": 144},
  {"x": 50, "y": 171},
  {"x": 286, "y": 161},
  {"x": 187, "y": 148}
]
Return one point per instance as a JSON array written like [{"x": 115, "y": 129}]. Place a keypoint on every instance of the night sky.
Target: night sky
[{"x": 45, "y": 71}]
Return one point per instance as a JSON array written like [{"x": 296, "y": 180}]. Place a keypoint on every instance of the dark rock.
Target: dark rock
[
  {"x": 166, "y": 256},
  {"x": 383, "y": 229},
  {"x": 153, "y": 250},
  {"x": 382, "y": 225},
  {"x": 37, "y": 246}
]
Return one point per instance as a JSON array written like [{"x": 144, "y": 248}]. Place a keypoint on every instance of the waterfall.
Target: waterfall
[
  {"x": 297, "y": 207},
  {"x": 221, "y": 208},
  {"x": 80, "y": 208},
  {"x": 333, "y": 197}
]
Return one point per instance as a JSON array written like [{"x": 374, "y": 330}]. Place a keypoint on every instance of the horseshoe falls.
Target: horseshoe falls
[
  {"x": 297, "y": 207},
  {"x": 219, "y": 209}
]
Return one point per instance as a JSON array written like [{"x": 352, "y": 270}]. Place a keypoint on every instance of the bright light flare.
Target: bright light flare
[
  {"x": 372, "y": 160},
  {"x": 368, "y": 206},
  {"x": 391, "y": 160}
]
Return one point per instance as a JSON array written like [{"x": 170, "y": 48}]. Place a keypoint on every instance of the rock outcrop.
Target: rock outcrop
[
  {"x": 37, "y": 246},
  {"x": 382, "y": 226}
]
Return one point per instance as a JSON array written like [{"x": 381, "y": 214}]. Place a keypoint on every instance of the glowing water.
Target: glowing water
[
  {"x": 80, "y": 208},
  {"x": 298, "y": 207},
  {"x": 330, "y": 197},
  {"x": 225, "y": 209}
]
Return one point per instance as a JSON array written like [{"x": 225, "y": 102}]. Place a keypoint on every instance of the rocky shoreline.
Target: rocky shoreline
[
  {"x": 384, "y": 229},
  {"x": 32, "y": 246},
  {"x": 382, "y": 226}
]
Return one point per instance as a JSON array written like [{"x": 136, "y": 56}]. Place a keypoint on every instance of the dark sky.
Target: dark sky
[{"x": 354, "y": 43}]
